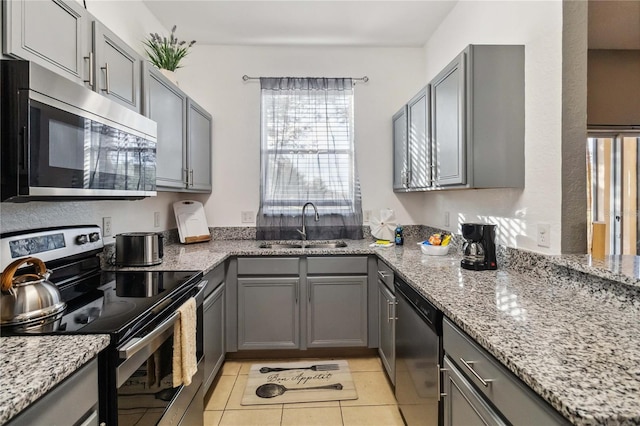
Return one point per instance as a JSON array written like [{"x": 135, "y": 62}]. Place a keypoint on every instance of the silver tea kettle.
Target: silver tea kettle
[{"x": 29, "y": 300}]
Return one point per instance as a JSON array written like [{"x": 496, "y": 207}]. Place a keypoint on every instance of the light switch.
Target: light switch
[{"x": 247, "y": 217}]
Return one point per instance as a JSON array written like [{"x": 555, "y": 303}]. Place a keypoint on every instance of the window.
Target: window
[{"x": 307, "y": 152}]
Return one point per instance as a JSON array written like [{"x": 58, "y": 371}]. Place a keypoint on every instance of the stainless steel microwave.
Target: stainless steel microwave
[{"x": 61, "y": 140}]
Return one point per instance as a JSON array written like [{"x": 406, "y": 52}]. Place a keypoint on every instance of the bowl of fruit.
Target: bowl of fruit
[{"x": 436, "y": 245}]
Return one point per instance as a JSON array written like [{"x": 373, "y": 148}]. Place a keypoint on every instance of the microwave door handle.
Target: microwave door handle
[
  {"x": 107, "y": 89},
  {"x": 137, "y": 344}
]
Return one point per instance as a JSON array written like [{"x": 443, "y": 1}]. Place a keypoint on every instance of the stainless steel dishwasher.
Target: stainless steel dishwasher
[{"x": 418, "y": 357}]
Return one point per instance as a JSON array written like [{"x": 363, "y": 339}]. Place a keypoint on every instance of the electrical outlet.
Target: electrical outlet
[
  {"x": 446, "y": 219},
  {"x": 247, "y": 217},
  {"x": 156, "y": 219},
  {"x": 366, "y": 216},
  {"x": 544, "y": 235},
  {"x": 106, "y": 227}
]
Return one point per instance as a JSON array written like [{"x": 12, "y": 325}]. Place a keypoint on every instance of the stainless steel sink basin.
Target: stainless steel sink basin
[
  {"x": 279, "y": 245},
  {"x": 306, "y": 244},
  {"x": 338, "y": 244}
]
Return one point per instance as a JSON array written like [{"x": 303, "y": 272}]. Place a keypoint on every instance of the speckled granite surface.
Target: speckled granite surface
[
  {"x": 577, "y": 347},
  {"x": 560, "y": 323},
  {"x": 31, "y": 366}
]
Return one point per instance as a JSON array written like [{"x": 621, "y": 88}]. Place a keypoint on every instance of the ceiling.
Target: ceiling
[
  {"x": 614, "y": 24},
  {"x": 303, "y": 22}
]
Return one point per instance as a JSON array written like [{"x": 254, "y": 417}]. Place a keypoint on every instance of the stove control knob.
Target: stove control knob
[
  {"x": 94, "y": 236},
  {"x": 82, "y": 239}
]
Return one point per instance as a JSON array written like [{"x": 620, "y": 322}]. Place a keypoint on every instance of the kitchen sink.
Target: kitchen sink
[
  {"x": 279, "y": 245},
  {"x": 338, "y": 244},
  {"x": 306, "y": 244}
]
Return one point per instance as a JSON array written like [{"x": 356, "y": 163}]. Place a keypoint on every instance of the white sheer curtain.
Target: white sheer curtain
[{"x": 307, "y": 155}]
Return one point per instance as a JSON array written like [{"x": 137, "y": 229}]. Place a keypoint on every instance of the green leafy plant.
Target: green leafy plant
[{"x": 166, "y": 53}]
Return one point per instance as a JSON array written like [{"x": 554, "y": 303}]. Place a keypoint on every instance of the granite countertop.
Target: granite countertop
[
  {"x": 32, "y": 365},
  {"x": 577, "y": 347}
]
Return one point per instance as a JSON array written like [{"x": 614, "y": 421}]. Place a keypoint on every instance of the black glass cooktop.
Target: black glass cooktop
[{"x": 115, "y": 302}]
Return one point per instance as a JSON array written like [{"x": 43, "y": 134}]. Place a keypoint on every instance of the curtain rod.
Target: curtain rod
[{"x": 364, "y": 79}]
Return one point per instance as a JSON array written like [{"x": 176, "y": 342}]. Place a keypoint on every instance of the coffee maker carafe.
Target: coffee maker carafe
[{"x": 479, "y": 249}]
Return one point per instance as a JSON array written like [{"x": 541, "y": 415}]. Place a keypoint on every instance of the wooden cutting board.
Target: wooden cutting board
[{"x": 191, "y": 221}]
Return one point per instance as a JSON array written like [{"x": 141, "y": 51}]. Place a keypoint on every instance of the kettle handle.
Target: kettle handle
[{"x": 7, "y": 275}]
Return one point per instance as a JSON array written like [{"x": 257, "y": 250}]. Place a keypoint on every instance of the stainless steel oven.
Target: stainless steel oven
[
  {"x": 144, "y": 375},
  {"x": 137, "y": 309},
  {"x": 60, "y": 139}
]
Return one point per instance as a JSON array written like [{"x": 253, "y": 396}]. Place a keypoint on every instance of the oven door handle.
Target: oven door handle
[{"x": 138, "y": 343}]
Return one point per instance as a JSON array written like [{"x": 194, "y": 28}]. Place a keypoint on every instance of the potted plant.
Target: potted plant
[{"x": 166, "y": 53}]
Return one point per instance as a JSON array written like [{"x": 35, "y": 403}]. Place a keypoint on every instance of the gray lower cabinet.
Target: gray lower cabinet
[
  {"x": 477, "y": 119},
  {"x": 72, "y": 402},
  {"x": 387, "y": 329},
  {"x": 463, "y": 405},
  {"x": 53, "y": 33},
  {"x": 214, "y": 333},
  {"x": 337, "y": 311},
  {"x": 480, "y": 380},
  {"x": 268, "y": 313},
  {"x": 117, "y": 68}
]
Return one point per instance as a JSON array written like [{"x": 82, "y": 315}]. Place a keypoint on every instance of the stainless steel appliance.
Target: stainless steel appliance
[
  {"x": 479, "y": 248},
  {"x": 418, "y": 357},
  {"x": 137, "y": 309},
  {"x": 139, "y": 249},
  {"x": 60, "y": 139}
]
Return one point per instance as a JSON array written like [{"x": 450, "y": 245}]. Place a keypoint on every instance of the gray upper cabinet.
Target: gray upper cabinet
[
  {"x": 165, "y": 104},
  {"x": 477, "y": 119},
  {"x": 117, "y": 68},
  {"x": 183, "y": 156},
  {"x": 268, "y": 313},
  {"x": 400, "y": 150},
  {"x": 448, "y": 117},
  {"x": 337, "y": 311},
  {"x": 53, "y": 33},
  {"x": 199, "y": 124},
  {"x": 411, "y": 148}
]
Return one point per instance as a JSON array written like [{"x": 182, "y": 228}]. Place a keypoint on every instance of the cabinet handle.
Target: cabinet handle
[
  {"x": 90, "y": 81},
  {"x": 383, "y": 275},
  {"x": 408, "y": 177},
  {"x": 389, "y": 315},
  {"x": 439, "y": 383},
  {"x": 297, "y": 289},
  {"x": 190, "y": 177},
  {"x": 106, "y": 78},
  {"x": 469, "y": 365},
  {"x": 186, "y": 176}
]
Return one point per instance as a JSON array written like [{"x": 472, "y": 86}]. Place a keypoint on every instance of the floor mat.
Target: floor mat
[{"x": 301, "y": 381}]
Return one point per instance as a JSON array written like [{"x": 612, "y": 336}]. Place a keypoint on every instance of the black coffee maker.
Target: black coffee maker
[{"x": 479, "y": 248}]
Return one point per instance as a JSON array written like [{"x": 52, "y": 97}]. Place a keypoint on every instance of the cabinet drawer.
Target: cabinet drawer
[
  {"x": 267, "y": 266},
  {"x": 519, "y": 404},
  {"x": 215, "y": 278},
  {"x": 385, "y": 275},
  {"x": 330, "y": 265}
]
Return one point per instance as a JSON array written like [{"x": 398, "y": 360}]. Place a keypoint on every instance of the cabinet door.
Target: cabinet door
[
  {"x": 387, "y": 330},
  {"x": 53, "y": 33},
  {"x": 117, "y": 68},
  {"x": 268, "y": 313},
  {"x": 448, "y": 120},
  {"x": 214, "y": 336},
  {"x": 419, "y": 150},
  {"x": 337, "y": 311},
  {"x": 462, "y": 404},
  {"x": 199, "y": 147},
  {"x": 400, "y": 149},
  {"x": 167, "y": 105}
]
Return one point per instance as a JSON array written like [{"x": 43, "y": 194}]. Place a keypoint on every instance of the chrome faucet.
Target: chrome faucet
[{"x": 316, "y": 218}]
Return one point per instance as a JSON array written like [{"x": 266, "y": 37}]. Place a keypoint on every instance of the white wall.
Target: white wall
[
  {"x": 213, "y": 76},
  {"x": 538, "y": 26},
  {"x": 130, "y": 20}
]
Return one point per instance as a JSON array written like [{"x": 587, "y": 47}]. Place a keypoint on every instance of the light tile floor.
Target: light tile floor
[{"x": 375, "y": 405}]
